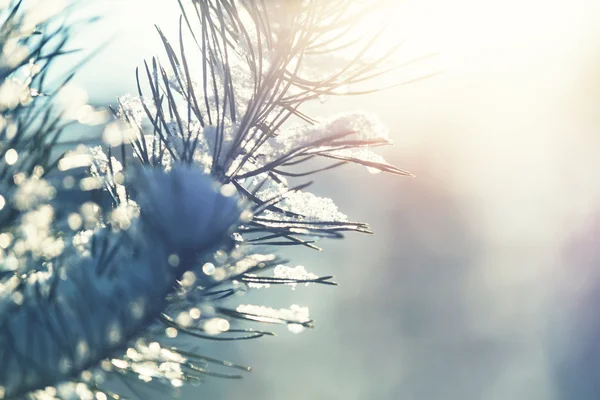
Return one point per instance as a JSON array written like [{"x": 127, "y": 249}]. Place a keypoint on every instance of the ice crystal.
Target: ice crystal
[
  {"x": 292, "y": 274},
  {"x": 294, "y": 317},
  {"x": 288, "y": 275},
  {"x": 311, "y": 207}
]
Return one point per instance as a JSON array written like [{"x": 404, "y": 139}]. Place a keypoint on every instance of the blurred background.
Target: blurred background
[{"x": 479, "y": 262}]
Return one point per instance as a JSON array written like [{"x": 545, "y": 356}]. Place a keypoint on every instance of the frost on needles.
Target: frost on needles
[{"x": 111, "y": 255}]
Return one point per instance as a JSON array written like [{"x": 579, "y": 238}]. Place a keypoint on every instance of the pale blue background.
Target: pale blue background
[{"x": 455, "y": 295}]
